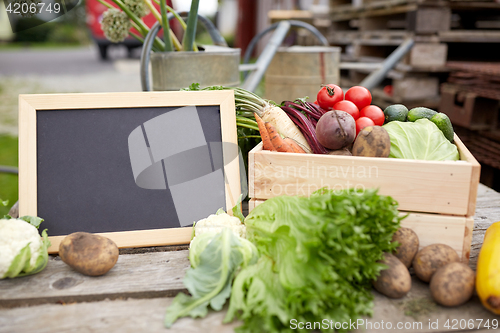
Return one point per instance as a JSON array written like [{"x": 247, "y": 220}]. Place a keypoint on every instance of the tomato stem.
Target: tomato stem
[{"x": 329, "y": 90}]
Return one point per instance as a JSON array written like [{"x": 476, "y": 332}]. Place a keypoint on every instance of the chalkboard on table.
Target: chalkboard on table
[{"x": 139, "y": 168}]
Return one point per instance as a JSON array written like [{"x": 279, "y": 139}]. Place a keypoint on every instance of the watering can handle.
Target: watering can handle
[{"x": 217, "y": 39}]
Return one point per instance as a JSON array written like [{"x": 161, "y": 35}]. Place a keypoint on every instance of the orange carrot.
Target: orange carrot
[
  {"x": 277, "y": 141},
  {"x": 294, "y": 145},
  {"x": 264, "y": 134}
]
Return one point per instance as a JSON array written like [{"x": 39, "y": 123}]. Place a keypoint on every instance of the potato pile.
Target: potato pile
[{"x": 451, "y": 282}]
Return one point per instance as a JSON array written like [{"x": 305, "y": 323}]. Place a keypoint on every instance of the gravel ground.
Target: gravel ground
[{"x": 26, "y": 71}]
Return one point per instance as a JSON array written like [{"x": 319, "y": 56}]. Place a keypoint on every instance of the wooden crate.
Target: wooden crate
[
  {"x": 440, "y": 197},
  {"x": 448, "y": 187},
  {"x": 465, "y": 108},
  {"x": 455, "y": 231}
]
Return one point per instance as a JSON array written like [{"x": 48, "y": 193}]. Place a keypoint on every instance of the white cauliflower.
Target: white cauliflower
[
  {"x": 217, "y": 222},
  {"x": 22, "y": 250}
]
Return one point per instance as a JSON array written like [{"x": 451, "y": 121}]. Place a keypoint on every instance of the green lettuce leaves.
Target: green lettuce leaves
[
  {"x": 215, "y": 258},
  {"x": 420, "y": 140},
  {"x": 318, "y": 256}
]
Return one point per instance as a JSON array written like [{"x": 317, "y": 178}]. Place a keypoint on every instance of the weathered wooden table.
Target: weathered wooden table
[{"x": 134, "y": 295}]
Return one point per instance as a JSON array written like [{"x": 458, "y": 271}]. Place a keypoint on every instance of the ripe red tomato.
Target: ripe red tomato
[
  {"x": 348, "y": 107},
  {"x": 363, "y": 122},
  {"x": 329, "y": 95},
  {"x": 359, "y": 96},
  {"x": 374, "y": 113}
]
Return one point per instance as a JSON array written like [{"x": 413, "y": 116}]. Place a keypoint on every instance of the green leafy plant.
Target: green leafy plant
[
  {"x": 123, "y": 15},
  {"x": 318, "y": 256}
]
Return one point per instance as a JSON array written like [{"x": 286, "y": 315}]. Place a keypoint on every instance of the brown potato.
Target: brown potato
[
  {"x": 395, "y": 281},
  {"x": 409, "y": 245},
  {"x": 453, "y": 284},
  {"x": 432, "y": 257},
  {"x": 372, "y": 141},
  {"x": 88, "y": 254}
]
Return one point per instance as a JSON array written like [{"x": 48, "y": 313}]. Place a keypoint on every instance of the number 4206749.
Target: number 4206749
[
  {"x": 32, "y": 8},
  {"x": 463, "y": 324}
]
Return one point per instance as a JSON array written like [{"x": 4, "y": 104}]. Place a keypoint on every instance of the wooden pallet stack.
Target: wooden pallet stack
[
  {"x": 471, "y": 98},
  {"x": 369, "y": 30}
]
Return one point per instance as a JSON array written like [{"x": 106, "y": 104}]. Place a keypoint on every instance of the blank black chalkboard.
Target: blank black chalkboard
[{"x": 128, "y": 167}]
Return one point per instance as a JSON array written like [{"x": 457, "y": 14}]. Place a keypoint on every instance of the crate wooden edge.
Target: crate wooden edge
[
  {"x": 465, "y": 155},
  {"x": 430, "y": 227},
  {"x": 138, "y": 238}
]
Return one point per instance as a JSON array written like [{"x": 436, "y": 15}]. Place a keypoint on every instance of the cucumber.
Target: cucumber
[
  {"x": 419, "y": 113},
  {"x": 395, "y": 112},
  {"x": 444, "y": 124}
]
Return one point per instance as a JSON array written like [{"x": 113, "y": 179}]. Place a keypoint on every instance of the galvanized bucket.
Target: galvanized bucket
[{"x": 215, "y": 65}]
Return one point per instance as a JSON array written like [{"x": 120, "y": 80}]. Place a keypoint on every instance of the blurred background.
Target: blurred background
[{"x": 453, "y": 66}]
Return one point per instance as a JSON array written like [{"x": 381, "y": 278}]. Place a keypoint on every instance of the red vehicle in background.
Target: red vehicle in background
[{"x": 94, "y": 11}]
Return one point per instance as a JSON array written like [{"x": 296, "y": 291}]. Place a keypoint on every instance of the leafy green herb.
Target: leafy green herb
[{"x": 318, "y": 258}]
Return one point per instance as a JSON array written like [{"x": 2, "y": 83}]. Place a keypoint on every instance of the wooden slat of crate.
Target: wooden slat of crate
[
  {"x": 428, "y": 55},
  {"x": 470, "y": 36},
  {"x": 381, "y": 8},
  {"x": 455, "y": 231},
  {"x": 381, "y": 99},
  {"x": 466, "y": 109},
  {"x": 428, "y": 20},
  {"x": 421, "y": 55},
  {"x": 412, "y": 88},
  {"x": 344, "y": 13},
  {"x": 300, "y": 15},
  {"x": 420, "y": 186}
]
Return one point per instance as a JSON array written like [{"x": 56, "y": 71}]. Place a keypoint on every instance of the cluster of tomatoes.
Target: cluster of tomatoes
[{"x": 356, "y": 102}]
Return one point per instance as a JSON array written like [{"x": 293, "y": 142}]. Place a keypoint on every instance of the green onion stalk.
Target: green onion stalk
[{"x": 188, "y": 39}]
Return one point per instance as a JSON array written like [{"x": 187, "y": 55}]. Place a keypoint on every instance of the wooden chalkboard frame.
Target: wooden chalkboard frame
[{"x": 30, "y": 105}]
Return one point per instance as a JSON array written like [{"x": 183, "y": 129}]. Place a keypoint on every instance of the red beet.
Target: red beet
[{"x": 336, "y": 129}]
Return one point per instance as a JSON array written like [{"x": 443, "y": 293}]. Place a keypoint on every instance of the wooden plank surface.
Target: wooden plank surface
[
  {"x": 487, "y": 212},
  {"x": 143, "y": 275},
  {"x": 134, "y": 295},
  {"x": 123, "y": 316},
  {"x": 416, "y": 310}
]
